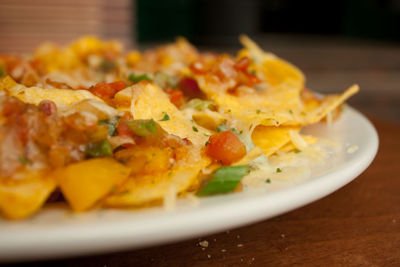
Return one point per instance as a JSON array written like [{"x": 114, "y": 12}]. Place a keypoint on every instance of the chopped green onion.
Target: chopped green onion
[
  {"x": 268, "y": 181},
  {"x": 3, "y": 72},
  {"x": 165, "y": 81},
  {"x": 113, "y": 189},
  {"x": 297, "y": 151},
  {"x": 222, "y": 127},
  {"x": 290, "y": 111},
  {"x": 137, "y": 78},
  {"x": 258, "y": 111},
  {"x": 201, "y": 105},
  {"x": 195, "y": 129},
  {"x": 107, "y": 65},
  {"x": 142, "y": 127},
  {"x": 278, "y": 170},
  {"x": 208, "y": 141},
  {"x": 165, "y": 118},
  {"x": 99, "y": 149},
  {"x": 224, "y": 179},
  {"x": 24, "y": 160},
  {"x": 111, "y": 125}
]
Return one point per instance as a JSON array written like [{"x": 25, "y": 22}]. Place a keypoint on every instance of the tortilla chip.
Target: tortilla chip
[
  {"x": 20, "y": 198},
  {"x": 270, "y": 139},
  {"x": 145, "y": 189},
  {"x": 150, "y": 95}
]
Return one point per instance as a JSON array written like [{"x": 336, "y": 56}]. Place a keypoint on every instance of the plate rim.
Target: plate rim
[{"x": 98, "y": 239}]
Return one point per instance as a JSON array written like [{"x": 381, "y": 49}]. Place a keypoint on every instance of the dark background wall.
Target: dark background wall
[{"x": 220, "y": 21}]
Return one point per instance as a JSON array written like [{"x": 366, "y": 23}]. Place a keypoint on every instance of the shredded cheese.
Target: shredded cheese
[{"x": 297, "y": 140}]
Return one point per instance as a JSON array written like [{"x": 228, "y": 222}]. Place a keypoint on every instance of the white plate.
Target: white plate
[{"x": 55, "y": 232}]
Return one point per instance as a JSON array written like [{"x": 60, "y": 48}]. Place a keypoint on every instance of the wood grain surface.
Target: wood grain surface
[{"x": 359, "y": 225}]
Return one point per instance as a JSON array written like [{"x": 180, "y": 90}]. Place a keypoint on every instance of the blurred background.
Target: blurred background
[{"x": 336, "y": 43}]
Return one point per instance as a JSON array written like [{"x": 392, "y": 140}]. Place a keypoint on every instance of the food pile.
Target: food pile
[{"x": 94, "y": 126}]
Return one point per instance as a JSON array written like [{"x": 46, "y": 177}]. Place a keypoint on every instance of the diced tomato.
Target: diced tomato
[
  {"x": 123, "y": 129},
  {"x": 198, "y": 67},
  {"x": 107, "y": 90},
  {"x": 252, "y": 79},
  {"x": 118, "y": 86},
  {"x": 48, "y": 107},
  {"x": 190, "y": 88},
  {"x": 175, "y": 96},
  {"x": 242, "y": 64},
  {"x": 225, "y": 147}
]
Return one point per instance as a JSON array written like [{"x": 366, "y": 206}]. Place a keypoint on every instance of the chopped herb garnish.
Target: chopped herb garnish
[
  {"x": 229, "y": 110},
  {"x": 278, "y": 170},
  {"x": 107, "y": 65},
  {"x": 241, "y": 131},
  {"x": 165, "y": 118},
  {"x": 24, "y": 160},
  {"x": 99, "y": 149},
  {"x": 258, "y": 111},
  {"x": 142, "y": 127},
  {"x": 208, "y": 141},
  {"x": 111, "y": 125},
  {"x": 2, "y": 71},
  {"x": 233, "y": 130},
  {"x": 297, "y": 151},
  {"x": 268, "y": 181},
  {"x": 165, "y": 81},
  {"x": 207, "y": 135},
  {"x": 137, "y": 78},
  {"x": 222, "y": 127},
  {"x": 199, "y": 104},
  {"x": 290, "y": 111},
  {"x": 195, "y": 129},
  {"x": 113, "y": 189},
  {"x": 259, "y": 87},
  {"x": 224, "y": 179},
  {"x": 123, "y": 192}
]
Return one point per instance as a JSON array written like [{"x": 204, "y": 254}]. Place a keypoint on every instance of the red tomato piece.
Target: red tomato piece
[
  {"x": 123, "y": 129},
  {"x": 108, "y": 90},
  {"x": 225, "y": 147},
  {"x": 242, "y": 64},
  {"x": 198, "y": 67},
  {"x": 253, "y": 79},
  {"x": 190, "y": 88},
  {"x": 118, "y": 86},
  {"x": 48, "y": 107},
  {"x": 175, "y": 96}
]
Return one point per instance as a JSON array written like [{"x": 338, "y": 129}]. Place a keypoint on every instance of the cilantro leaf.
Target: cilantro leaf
[
  {"x": 165, "y": 118},
  {"x": 137, "y": 78}
]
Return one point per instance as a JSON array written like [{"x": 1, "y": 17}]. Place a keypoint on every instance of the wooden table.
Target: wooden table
[{"x": 359, "y": 225}]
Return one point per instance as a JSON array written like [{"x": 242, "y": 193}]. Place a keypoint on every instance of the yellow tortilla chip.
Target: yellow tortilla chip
[
  {"x": 290, "y": 146},
  {"x": 150, "y": 95},
  {"x": 34, "y": 95},
  {"x": 144, "y": 189},
  {"x": 275, "y": 70},
  {"x": 270, "y": 139},
  {"x": 22, "y": 197}
]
